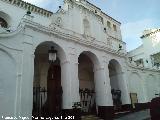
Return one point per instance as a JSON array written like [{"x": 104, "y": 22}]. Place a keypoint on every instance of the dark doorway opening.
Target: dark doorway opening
[{"x": 47, "y": 90}]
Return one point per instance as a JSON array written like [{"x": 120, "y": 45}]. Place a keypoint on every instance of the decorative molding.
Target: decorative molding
[
  {"x": 141, "y": 68},
  {"x": 30, "y": 7},
  {"x": 12, "y": 33},
  {"x": 92, "y": 8},
  {"x": 151, "y": 33},
  {"x": 72, "y": 36},
  {"x": 98, "y": 69},
  {"x": 65, "y": 62},
  {"x": 10, "y": 48}
]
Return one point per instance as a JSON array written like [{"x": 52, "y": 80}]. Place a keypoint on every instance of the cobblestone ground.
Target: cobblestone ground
[{"x": 142, "y": 115}]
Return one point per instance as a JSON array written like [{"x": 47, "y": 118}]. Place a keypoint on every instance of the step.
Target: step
[{"x": 90, "y": 117}]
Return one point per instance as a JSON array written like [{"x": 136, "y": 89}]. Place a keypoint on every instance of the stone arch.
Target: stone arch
[
  {"x": 114, "y": 69},
  {"x": 116, "y": 81},
  {"x": 48, "y": 78},
  {"x": 8, "y": 83},
  {"x": 94, "y": 58},
  {"x": 9, "y": 55},
  {"x": 6, "y": 17},
  {"x": 88, "y": 63},
  {"x": 136, "y": 86},
  {"x": 117, "y": 65},
  {"x": 61, "y": 52}
]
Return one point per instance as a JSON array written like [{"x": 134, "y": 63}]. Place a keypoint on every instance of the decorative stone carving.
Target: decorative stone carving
[
  {"x": 86, "y": 26},
  {"x": 58, "y": 22},
  {"x": 109, "y": 42}
]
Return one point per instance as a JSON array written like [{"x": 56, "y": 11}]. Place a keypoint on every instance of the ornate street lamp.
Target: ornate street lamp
[{"x": 52, "y": 54}]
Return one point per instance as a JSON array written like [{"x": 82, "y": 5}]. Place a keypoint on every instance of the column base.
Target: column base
[
  {"x": 72, "y": 114},
  {"x": 126, "y": 107},
  {"x": 141, "y": 106},
  {"x": 106, "y": 112}
]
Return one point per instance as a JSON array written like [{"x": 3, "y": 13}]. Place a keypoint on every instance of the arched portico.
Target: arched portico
[
  {"x": 87, "y": 63},
  {"x": 52, "y": 80},
  {"x": 117, "y": 83},
  {"x": 96, "y": 78}
]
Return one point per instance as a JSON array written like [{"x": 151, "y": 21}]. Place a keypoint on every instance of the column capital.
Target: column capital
[
  {"x": 76, "y": 63},
  {"x": 98, "y": 69},
  {"x": 65, "y": 62}
]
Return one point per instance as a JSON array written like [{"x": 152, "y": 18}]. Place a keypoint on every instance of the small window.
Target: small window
[
  {"x": 114, "y": 27},
  {"x": 108, "y": 24},
  {"x": 3, "y": 23}
]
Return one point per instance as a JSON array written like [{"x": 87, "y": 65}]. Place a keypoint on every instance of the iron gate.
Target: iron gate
[
  {"x": 39, "y": 101},
  {"x": 87, "y": 100}
]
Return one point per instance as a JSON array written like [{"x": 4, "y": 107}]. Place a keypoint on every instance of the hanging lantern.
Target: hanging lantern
[{"x": 52, "y": 54}]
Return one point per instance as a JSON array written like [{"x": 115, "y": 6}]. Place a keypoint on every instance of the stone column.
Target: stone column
[
  {"x": 103, "y": 92},
  {"x": 75, "y": 80},
  {"x": 66, "y": 85},
  {"x": 125, "y": 94},
  {"x": 124, "y": 88},
  {"x": 26, "y": 93},
  {"x": 70, "y": 86},
  {"x": 102, "y": 87}
]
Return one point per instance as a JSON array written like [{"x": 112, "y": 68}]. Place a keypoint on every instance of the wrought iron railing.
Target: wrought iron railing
[
  {"x": 116, "y": 96},
  {"x": 87, "y": 100},
  {"x": 39, "y": 101}
]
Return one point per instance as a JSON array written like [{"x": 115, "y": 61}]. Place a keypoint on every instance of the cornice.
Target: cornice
[
  {"x": 116, "y": 39},
  {"x": 12, "y": 33},
  {"x": 27, "y": 6},
  {"x": 65, "y": 34},
  {"x": 149, "y": 34},
  {"x": 11, "y": 48},
  {"x": 141, "y": 68},
  {"x": 91, "y": 7},
  {"x": 72, "y": 36}
]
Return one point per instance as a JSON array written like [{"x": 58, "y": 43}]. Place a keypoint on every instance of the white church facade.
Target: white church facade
[{"x": 72, "y": 59}]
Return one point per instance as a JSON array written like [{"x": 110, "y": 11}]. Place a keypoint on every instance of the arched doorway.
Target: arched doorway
[
  {"x": 47, "y": 90},
  {"x": 86, "y": 83},
  {"x": 116, "y": 81}
]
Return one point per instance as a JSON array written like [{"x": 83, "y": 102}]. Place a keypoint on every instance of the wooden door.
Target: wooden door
[{"x": 54, "y": 89}]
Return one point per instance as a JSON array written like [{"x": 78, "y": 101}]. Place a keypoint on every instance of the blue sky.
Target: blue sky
[{"x": 134, "y": 15}]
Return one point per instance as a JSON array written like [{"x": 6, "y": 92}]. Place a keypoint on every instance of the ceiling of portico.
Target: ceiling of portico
[
  {"x": 43, "y": 49},
  {"x": 85, "y": 68}
]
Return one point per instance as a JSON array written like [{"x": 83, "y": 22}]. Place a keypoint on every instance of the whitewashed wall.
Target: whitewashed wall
[{"x": 17, "y": 75}]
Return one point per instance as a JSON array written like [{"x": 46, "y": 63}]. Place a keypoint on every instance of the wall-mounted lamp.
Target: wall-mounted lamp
[
  {"x": 52, "y": 54},
  {"x": 28, "y": 12},
  {"x": 120, "y": 47}
]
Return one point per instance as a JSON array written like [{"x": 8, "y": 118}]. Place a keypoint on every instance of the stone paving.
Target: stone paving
[{"x": 142, "y": 115}]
